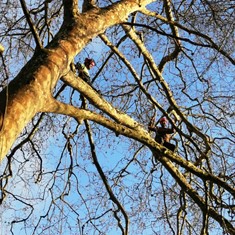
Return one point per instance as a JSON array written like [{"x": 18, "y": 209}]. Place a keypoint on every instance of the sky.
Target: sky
[{"x": 94, "y": 50}]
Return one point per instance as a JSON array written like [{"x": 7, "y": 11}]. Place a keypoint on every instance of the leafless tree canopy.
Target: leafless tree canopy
[{"x": 79, "y": 159}]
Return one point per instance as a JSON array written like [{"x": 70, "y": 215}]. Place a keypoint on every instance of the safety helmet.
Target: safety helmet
[
  {"x": 89, "y": 61},
  {"x": 163, "y": 119}
]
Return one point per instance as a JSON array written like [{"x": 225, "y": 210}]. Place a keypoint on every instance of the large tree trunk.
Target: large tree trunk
[{"x": 31, "y": 91}]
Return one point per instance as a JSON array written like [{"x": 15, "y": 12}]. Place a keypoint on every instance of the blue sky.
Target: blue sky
[{"x": 113, "y": 152}]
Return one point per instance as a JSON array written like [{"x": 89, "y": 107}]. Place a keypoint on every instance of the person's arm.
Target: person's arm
[{"x": 152, "y": 127}]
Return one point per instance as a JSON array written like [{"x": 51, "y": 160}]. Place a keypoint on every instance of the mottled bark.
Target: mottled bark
[{"x": 30, "y": 92}]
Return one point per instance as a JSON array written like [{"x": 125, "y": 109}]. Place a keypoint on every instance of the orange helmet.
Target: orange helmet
[{"x": 163, "y": 120}]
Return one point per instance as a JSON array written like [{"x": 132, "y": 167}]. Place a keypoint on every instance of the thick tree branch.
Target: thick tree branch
[
  {"x": 98, "y": 101},
  {"x": 138, "y": 134},
  {"x": 40, "y": 75},
  {"x": 159, "y": 150},
  {"x": 195, "y": 196},
  {"x": 166, "y": 87},
  {"x": 138, "y": 80}
]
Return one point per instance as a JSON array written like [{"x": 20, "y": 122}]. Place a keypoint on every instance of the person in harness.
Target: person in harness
[
  {"x": 83, "y": 70},
  {"x": 163, "y": 134}
]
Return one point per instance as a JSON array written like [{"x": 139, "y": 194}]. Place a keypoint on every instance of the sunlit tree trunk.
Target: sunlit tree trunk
[
  {"x": 164, "y": 59},
  {"x": 30, "y": 92}
]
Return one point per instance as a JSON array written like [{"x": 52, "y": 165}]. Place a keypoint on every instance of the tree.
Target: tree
[{"x": 84, "y": 156}]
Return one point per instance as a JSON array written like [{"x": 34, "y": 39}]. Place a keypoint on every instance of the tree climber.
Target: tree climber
[
  {"x": 83, "y": 70},
  {"x": 163, "y": 134}
]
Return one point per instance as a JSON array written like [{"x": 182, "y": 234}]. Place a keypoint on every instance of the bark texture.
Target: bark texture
[{"x": 30, "y": 92}]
